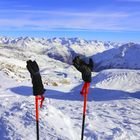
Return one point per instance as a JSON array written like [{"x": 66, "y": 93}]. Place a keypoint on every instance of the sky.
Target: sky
[{"x": 106, "y": 20}]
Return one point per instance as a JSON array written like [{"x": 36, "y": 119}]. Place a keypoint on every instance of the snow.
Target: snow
[
  {"x": 113, "y": 111},
  {"x": 126, "y": 57},
  {"x": 58, "y": 48}
]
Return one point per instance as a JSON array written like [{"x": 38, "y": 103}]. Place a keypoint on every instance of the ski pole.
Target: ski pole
[
  {"x": 37, "y": 98},
  {"x": 84, "y": 92},
  {"x": 37, "y": 118}
]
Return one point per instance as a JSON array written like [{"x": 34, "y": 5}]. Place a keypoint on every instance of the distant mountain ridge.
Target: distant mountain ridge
[
  {"x": 126, "y": 56},
  {"x": 105, "y": 54}
]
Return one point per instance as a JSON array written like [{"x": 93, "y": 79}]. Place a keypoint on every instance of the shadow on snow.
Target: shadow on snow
[
  {"x": 95, "y": 94},
  {"x": 22, "y": 90}
]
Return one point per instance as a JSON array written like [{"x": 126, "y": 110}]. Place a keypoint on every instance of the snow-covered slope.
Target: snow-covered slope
[
  {"x": 105, "y": 54},
  {"x": 113, "y": 111},
  {"x": 63, "y": 49},
  {"x": 126, "y": 56}
]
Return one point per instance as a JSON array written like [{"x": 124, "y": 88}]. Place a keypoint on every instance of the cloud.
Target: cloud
[{"x": 62, "y": 20}]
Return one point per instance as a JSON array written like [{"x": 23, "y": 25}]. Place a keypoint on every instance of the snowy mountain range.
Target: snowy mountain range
[
  {"x": 113, "y": 111},
  {"x": 105, "y": 54},
  {"x": 124, "y": 57}
]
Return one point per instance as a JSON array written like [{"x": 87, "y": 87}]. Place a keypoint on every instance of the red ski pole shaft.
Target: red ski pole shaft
[
  {"x": 84, "y": 115},
  {"x": 86, "y": 86},
  {"x": 37, "y": 117}
]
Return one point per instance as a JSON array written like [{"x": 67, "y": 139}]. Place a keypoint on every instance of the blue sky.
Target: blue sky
[{"x": 114, "y": 20}]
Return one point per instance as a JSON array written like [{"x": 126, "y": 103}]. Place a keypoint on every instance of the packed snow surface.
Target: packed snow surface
[{"x": 113, "y": 107}]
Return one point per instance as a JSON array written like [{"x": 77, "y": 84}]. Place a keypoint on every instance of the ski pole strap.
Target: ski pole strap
[
  {"x": 41, "y": 98},
  {"x": 85, "y": 88}
]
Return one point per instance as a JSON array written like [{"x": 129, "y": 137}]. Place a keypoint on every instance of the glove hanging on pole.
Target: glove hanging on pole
[
  {"x": 86, "y": 70},
  {"x": 33, "y": 68},
  {"x": 38, "y": 89}
]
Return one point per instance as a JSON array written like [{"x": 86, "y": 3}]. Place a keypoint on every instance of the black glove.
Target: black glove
[
  {"x": 84, "y": 68},
  {"x": 38, "y": 88}
]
